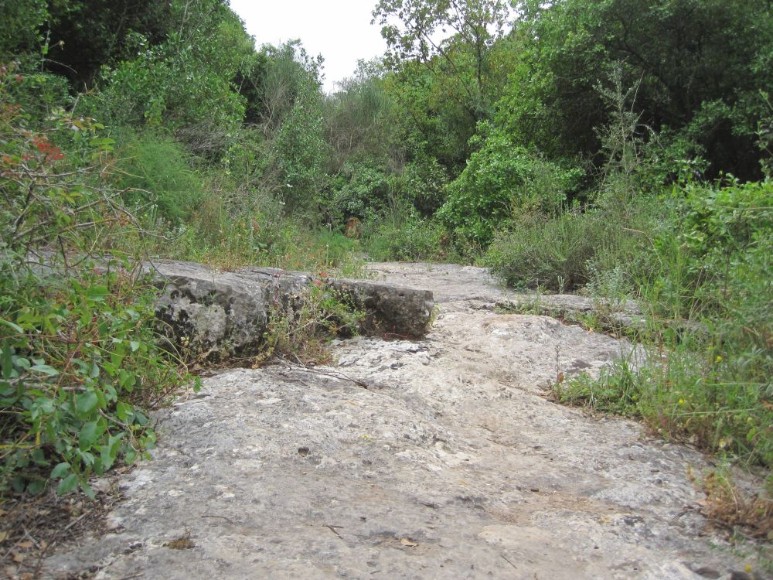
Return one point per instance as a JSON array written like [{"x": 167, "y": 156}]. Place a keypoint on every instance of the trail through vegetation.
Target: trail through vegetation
[{"x": 616, "y": 148}]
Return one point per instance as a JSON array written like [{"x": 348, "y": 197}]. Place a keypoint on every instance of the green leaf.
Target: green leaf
[
  {"x": 126, "y": 380},
  {"x": 87, "y": 459},
  {"x": 41, "y": 406},
  {"x": 97, "y": 293},
  {"x": 67, "y": 484},
  {"x": 60, "y": 470},
  {"x": 36, "y": 487},
  {"x": 109, "y": 452},
  {"x": 39, "y": 457},
  {"x": 103, "y": 143},
  {"x": 45, "y": 369},
  {"x": 109, "y": 395},
  {"x": 130, "y": 456},
  {"x": 86, "y": 402},
  {"x": 124, "y": 412},
  {"x": 140, "y": 418},
  {"x": 13, "y": 326},
  {"x": 110, "y": 367},
  {"x": 6, "y": 390},
  {"x": 87, "y": 490},
  {"x": 88, "y": 435},
  {"x": 21, "y": 363}
]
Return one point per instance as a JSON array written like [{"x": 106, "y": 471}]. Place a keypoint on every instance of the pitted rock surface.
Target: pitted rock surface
[
  {"x": 220, "y": 316},
  {"x": 434, "y": 458}
]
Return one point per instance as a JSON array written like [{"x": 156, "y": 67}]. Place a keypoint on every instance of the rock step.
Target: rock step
[{"x": 219, "y": 315}]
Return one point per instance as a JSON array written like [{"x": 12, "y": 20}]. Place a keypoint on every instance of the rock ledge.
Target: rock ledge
[{"x": 219, "y": 315}]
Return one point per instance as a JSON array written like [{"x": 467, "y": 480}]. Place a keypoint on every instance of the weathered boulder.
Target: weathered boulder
[{"x": 219, "y": 315}]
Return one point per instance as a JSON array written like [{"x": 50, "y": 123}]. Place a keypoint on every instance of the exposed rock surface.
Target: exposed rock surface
[
  {"x": 436, "y": 458},
  {"x": 219, "y": 315}
]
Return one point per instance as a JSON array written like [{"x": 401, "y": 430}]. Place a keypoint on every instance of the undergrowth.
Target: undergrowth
[
  {"x": 79, "y": 365},
  {"x": 707, "y": 376}
]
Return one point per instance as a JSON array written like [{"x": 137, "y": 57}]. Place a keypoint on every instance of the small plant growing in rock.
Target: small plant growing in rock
[{"x": 300, "y": 327}]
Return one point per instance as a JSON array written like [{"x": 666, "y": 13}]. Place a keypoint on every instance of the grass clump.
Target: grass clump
[
  {"x": 564, "y": 253},
  {"x": 157, "y": 175},
  {"x": 407, "y": 239}
]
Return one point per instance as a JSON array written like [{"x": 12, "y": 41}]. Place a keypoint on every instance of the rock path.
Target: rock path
[{"x": 438, "y": 458}]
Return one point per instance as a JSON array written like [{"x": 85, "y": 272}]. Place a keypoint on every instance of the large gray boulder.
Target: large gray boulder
[{"x": 211, "y": 315}]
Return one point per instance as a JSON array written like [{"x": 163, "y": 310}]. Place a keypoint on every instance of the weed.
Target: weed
[
  {"x": 729, "y": 505},
  {"x": 617, "y": 390},
  {"x": 301, "y": 325}
]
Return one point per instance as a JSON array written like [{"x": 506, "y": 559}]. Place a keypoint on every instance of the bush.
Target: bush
[
  {"x": 156, "y": 173},
  {"x": 425, "y": 183},
  {"x": 168, "y": 85},
  {"x": 361, "y": 190},
  {"x": 410, "y": 239},
  {"x": 500, "y": 181},
  {"x": 709, "y": 293},
  {"x": 549, "y": 253},
  {"x": 78, "y": 359},
  {"x": 301, "y": 326},
  {"x": 79, "y": 365}
]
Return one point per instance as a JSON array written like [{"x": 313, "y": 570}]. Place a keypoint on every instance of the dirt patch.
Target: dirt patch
[{"x": 411, "y": 459}]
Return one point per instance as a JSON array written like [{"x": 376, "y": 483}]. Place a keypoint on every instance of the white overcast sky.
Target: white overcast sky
[{"x": 339, "y": 30}]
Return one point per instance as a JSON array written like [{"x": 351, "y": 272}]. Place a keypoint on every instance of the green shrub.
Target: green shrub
[
  {"x": 79, "y": 365},
  {"x": 302, "y": 325},
  {"x": 411, "y": 239},
  {"x": 425, "y": 182},
  {"x": 22, "y": 22},
  {"x": 78, "y": 359},
  {"x": 158, "y": 178},
  {"x": 170, "y": 85},
  {"x": 40, "y": 94},
  {"x": 686, "y": 392},
  {"x": 361, "y": 190},
  {"x": 709, "y": 295},
  {"x": 502, "y": 180},
  {"x": 549, "y": 253}
]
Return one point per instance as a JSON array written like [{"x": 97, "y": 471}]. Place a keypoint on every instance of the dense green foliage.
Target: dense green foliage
[
  {"x": 708, "y": 376},
  {"x": 617, "y": 147},
  {"x": 700, "y": 66},
  {"x": 77, "y": 347},
  {"x": 501, "y": 180}
]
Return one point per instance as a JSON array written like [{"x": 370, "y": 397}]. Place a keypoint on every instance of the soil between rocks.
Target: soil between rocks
[{"x": 437, "y": 458}]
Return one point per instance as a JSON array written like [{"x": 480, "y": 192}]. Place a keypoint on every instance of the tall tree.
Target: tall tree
[
  {"x": 86, "y": 34},
  {"x": 700, "y": 66},
  {"x": 434, "y": 32},
  {"x": 22, "y": 20}
]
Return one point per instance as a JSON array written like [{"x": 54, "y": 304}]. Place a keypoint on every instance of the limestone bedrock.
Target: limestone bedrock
[{"x": 440, "y": 457}]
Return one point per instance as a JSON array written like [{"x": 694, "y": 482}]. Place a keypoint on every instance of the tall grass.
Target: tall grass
[
  {"x": 567, "y": 252},
  {"x": 157, "y": 176},
  {"x": 708, "y": 291}
]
